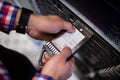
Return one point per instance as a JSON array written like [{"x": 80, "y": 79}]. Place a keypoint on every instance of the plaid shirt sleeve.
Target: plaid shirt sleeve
[
  {"x": 7, "y": 16},
  {"x": 4, "y": 75},
  {"x": 39, "y": 76}
]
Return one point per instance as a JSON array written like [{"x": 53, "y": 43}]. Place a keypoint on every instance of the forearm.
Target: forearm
[
  {"x": 9, "y": 18},
  {"x": 17, "y": 18}
]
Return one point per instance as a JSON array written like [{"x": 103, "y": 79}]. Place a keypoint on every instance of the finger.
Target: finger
[
  {"x": 44, "y": 61},
  {"x": 47, "y": 56},
  {"x": 72, "y": 61},
  {"x": 73, "y": 67},
  {"x": 68, "y": 26},
  {"x": 65, "y": 53},
  {"x": 45, "y": 36}
]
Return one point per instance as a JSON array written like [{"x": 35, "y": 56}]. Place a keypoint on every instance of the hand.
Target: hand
[
  {"x": 58, "y": 67},
  {"x": 46, "y": 27},
  {"x": 45, "y": 58}
]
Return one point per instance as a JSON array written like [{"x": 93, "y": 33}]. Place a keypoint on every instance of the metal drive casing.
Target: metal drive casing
[{"x": 72, "y": 40}]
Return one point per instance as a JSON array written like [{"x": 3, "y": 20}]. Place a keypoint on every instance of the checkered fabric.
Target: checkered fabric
[
  {"x": 7, "y": 16},
  {"x": 4, "y": 75},
  {"x": 39, "y": 76}
]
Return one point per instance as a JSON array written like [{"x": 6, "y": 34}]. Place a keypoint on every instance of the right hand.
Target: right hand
[{"x": 58, "y": 67}]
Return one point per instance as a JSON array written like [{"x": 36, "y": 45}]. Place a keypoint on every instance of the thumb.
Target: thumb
[
  {"x": 68, "y": 26},
  {"x": 65, "y": 53}
]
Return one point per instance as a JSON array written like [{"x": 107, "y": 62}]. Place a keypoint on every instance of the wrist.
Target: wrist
[
  {"x": 51, "y": 74},
  {"x": 21, "y": 21},
  {"x": 17, "y": 18},
  {"x": 42, "y": 76},
  {"x": 33, "y": 25}
]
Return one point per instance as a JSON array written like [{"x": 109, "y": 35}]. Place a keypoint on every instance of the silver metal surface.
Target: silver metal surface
[{"x": 90, "y": 24}]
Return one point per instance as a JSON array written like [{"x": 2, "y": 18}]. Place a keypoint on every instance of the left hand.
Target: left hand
[{"x": 46, "y": 27}]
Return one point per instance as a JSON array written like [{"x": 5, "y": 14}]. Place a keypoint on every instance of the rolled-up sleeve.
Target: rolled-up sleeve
[
  {"x": 8, "y": 14},
  {"x": 39, "y": 76}
]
